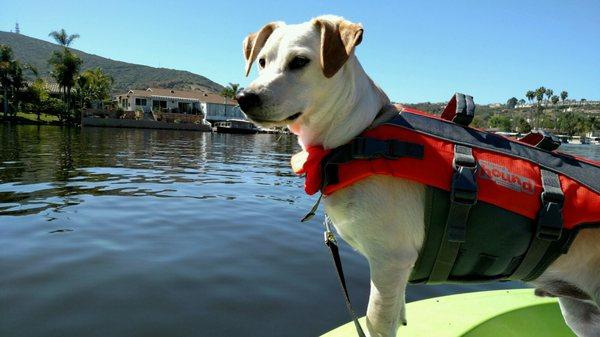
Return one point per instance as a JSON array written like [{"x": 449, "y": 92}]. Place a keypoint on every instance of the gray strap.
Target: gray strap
[
  {"x": 463, "y": 195},
  {"x": 548, "y": 227}
]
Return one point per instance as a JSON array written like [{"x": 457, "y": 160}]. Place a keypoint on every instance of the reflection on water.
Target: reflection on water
[{"x": 116, "y": 232}]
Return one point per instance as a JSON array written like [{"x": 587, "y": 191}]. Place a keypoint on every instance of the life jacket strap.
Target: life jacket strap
[
  {"x": 463, "y": 195},
  {"x": 548, "y": 228},
  {"x": 365, "y": 148},
  {"x": 460, "y": 109},
  {"x": 542, "y": 140}
]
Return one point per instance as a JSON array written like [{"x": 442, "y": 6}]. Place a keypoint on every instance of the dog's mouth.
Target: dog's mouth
[
  {"x": 294, "y": 117},
  {"x": 283, "y": 121}
]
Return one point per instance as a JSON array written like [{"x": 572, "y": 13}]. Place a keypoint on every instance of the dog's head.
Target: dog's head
[{"x": 299, "y": 67}]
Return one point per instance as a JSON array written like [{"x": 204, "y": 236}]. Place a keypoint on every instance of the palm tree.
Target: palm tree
[
  {"x": 65, "y": 68},
  {"x": 549, "y": 93},
  {"x": 93, "y": 85},
  {"x": 66, "y": 65},
  {"x": 539, "y": 94},
  {"x": 6, "y": 69},
  {"x": 62, "y": 38},
  {"x": 230, "y": 92},
  {"x": 11, "y": 77},
  {"x": 530, "y": 95},
  {"x": 563, "y": 96}
]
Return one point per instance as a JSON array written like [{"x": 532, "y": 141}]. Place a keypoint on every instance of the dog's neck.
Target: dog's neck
[{"x": 343, "y": 111}]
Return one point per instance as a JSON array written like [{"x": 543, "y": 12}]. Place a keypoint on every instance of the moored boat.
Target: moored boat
[{"x": 236, "y": 126}]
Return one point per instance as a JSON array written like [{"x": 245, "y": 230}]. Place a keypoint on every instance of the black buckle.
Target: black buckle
[
  {"x": 464, "y": 186},
  {"x": 550, "y": 220}
]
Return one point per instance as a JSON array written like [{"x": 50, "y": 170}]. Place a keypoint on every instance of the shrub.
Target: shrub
[{"x": 53, "y": 106}]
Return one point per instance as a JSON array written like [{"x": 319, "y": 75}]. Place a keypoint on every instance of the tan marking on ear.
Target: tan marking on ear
[
  {"x": 338, "y": 40},
  {"x": 254, "y": 42}
]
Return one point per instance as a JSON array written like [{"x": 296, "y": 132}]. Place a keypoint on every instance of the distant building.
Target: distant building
[{"x": 212, "y": 106}]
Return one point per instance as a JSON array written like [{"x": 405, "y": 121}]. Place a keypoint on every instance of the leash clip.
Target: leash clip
[{"x": 328, "y": 236}]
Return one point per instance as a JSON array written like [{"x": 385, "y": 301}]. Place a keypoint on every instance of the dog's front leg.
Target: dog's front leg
[{"x": 386, "y": 301}]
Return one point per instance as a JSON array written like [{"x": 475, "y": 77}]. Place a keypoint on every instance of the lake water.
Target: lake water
[{"x": 116, "y": 232}]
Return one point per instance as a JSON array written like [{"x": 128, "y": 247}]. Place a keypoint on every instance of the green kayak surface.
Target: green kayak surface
[{"x": 499, "y": 313}]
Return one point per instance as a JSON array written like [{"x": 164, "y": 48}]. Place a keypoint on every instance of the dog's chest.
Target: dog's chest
[{"x": 378, "y": 209}]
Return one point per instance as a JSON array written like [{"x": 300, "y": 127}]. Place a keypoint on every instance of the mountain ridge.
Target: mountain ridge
[{"x": 126, "y": 75}]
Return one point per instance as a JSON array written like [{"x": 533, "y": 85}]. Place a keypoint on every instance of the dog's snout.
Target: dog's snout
[{"x": 248, "y": 100}]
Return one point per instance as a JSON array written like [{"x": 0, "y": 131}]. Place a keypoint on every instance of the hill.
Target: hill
[{"x": 125, "y": 75}]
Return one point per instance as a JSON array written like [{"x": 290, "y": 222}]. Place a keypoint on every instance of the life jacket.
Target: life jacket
[{"x": 496, "y": 208}]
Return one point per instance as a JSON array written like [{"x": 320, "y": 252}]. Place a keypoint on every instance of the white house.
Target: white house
[{"x": 212, "y": 106}]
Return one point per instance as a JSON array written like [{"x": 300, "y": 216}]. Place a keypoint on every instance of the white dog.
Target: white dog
[{"x": 310, "y": 80}]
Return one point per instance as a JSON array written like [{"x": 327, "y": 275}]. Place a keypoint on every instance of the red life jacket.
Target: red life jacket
[{"x": 506, "y": 177}]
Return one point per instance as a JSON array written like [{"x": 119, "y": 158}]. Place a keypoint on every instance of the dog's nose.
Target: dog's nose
[{"x": 248, "y": 100}]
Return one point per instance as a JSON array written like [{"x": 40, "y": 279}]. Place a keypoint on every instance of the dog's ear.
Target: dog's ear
[
  {"x": 338, "y": 39},
  {"x": 254, "y": 42}
]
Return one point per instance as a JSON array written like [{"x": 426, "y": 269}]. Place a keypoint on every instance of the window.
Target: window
[
  {"x": 140, "y": 101},
  {"x": 156, "y": 104},
  {"x": 184, "y": 107}
]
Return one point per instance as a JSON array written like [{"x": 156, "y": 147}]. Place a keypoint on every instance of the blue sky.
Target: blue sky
[{"x": 417, "y": 51}]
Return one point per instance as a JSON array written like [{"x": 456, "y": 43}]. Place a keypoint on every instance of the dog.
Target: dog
[{"x": 311, "y": 81}]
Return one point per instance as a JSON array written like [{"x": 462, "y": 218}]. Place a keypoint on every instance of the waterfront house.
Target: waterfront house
[{"x": 213, "y": 107}]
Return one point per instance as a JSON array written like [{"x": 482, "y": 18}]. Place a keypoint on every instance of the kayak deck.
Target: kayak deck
[{"x": 507, "y": 313}]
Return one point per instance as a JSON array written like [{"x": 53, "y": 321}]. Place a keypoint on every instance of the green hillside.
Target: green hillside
[{"x": 126, "y": 75}]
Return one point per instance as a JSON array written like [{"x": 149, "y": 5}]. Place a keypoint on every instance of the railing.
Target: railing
[{"x": 171, "y": 117}]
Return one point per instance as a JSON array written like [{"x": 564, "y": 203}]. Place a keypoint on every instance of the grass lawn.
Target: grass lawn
[{"x": 33, "y": 117}]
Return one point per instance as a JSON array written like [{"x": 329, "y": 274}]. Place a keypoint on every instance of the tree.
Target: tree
[
  {"x": 521, "y": 101},
  {"x": 92, "y": 85},
  {"x": 231, "y": 90},
  {"x": 512, "y": 102},
  {"x": 549, "y": 93},
  {"x": 523, "y": 126},
  {"x": 594, "y": 123},
  {"x": 571, "y": 123},
  {"x": 501, "y": 122},
  {"x": 37, "y": 95},
  {"x": 554, "y": 99},
  {"x": 6, "y": 69},
  {"x": 563, "y": 96},
  {"x": 478, "y": 122},
  {"x": 62, "y": 38},
  {"x": 530, "y": 95},
  {"x": 12, "y": 79},
  {"x": 539, "y": 94},
  {"x": 65, "y": 68}
]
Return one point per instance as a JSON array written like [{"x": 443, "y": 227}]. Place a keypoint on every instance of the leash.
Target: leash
[{"x": 331, "y": 243}]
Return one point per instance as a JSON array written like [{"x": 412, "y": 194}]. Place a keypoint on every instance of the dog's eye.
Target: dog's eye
[
  {"x": 261, "y": 62},
  {"x": 298, "y": 62}
]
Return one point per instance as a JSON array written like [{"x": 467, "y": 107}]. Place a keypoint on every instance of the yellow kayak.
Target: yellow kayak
[{"x": 498, "y": 313}]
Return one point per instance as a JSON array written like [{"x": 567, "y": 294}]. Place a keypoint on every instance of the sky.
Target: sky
[{"x": 417, "y": 51}]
